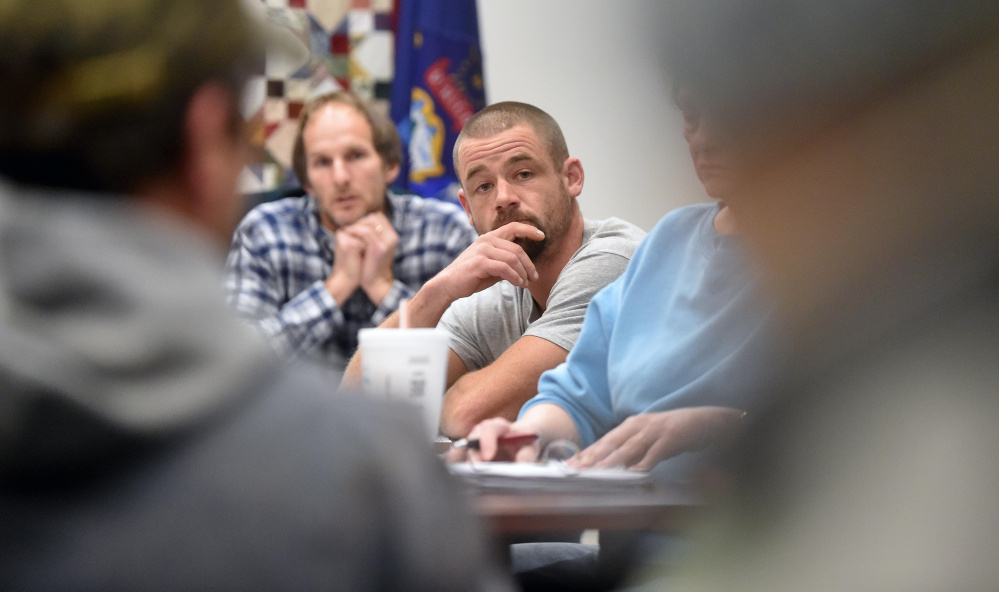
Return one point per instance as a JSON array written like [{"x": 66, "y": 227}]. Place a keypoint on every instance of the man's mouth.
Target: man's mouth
[
  {"x": 503, "y": 221},
  {"x": 710, "y": 166}
]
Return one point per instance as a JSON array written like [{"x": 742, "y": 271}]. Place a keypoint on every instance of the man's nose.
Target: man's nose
[
  {"x": 341, "y": 173},
  {"x": 705, "y": 138},
  {"x": 506, "y": 196}
]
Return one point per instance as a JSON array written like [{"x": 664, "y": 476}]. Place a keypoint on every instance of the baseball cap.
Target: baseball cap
[{"x": 63, "y": 62}]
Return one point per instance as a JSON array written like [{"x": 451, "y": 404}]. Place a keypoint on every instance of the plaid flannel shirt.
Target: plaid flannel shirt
[{"x": 281, "y": 256}]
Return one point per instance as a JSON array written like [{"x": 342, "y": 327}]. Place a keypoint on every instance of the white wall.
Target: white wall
[{"x": 595, "y": 66}]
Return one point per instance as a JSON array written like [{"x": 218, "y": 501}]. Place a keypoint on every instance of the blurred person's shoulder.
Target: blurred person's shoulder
[
  {"x": 366, "y": 480},
  {"x": 898, "y": 430},
  {"x": 682, "y": 229},
  {"x": 281, "y": 212},
  {"x": 685, "y": 217},
  {"x": 293, "y": 486},
  {"x": 302, "y": 391}
]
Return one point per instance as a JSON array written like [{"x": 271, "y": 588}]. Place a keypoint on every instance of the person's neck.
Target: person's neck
[
  {"x": 166, "y": 197},
  {"x": 332, "y": 225},
  {"x": 555, "y": 259},
  {"x": 724, "y": 220}
]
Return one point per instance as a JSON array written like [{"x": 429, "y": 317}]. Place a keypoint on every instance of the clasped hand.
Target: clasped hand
[{"x": 365, "y": 253}]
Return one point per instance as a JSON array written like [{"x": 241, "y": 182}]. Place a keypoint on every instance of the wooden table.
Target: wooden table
[
  {"x": 624, "y": 517},
  {"x": 664, "y": 508}
]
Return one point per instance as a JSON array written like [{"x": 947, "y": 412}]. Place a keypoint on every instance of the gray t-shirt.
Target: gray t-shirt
[{"x": 485, "y": 324}]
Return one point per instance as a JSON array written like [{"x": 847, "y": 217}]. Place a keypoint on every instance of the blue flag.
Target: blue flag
[{"x": 437, "y": 86}]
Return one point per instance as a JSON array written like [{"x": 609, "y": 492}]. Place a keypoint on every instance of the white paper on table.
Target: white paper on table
[{"x": 550, "y": 475}]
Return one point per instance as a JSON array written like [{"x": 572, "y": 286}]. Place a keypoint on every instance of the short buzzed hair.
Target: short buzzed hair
[{"x": 500, "y": 117}]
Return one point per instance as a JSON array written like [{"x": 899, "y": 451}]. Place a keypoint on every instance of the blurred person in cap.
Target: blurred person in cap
[
  {"x": 872, "y": 210},
  {"x": 148, "y": 440},
  {"x": 313, "y": 270}
]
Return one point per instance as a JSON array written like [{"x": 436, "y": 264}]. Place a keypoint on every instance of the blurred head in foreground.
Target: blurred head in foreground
[
  {"x": 711, "y": 147},
  {"x": 137, "y": 97},
  {"x": 147, "y": 437},
  {"x": 870, "y": 131},
  {"x": 869, "y": 128}
]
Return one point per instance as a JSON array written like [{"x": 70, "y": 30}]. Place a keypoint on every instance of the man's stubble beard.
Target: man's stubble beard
[
  {"x": 559, "y": 214},
  {"x": 369, "y": 209}
]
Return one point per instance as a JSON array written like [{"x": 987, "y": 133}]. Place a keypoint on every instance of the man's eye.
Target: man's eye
[
  {"x": 320, "y": 162},
  {"x": 484, "y": 187},
  {"x": 522, "y": 175}
]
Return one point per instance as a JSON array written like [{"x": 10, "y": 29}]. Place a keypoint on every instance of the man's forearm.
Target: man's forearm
[
  {"x": 472, "y": 399},
  {"x": 425, "y": 308},
  {"x": 298, "y": 326},
  {"x": 378, "y": 290},
  {"x": 428, "y": 305},
  {"x": 501, "y": 388}
]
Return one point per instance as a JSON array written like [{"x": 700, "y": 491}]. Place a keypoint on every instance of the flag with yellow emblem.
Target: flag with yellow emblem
[{"x": 437, "y": 86}]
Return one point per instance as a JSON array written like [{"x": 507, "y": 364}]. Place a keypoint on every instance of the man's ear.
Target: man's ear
[
  {"x": 207, "y": 138},
  {"x": 464, "y": 205},
  {"x": 392, "y": 173},
  {"x": 572, "y": 174},
  {"x": 213, "y": 157}
]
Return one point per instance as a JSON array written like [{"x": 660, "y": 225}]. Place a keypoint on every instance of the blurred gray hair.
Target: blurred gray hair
[{"x": 751, "y": 61}]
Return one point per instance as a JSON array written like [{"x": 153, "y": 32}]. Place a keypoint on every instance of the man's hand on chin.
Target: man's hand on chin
[{"x": 491, "y": 258}]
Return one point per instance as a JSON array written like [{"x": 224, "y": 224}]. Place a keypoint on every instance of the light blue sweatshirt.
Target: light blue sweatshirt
[{"x": 681, "y": 328}]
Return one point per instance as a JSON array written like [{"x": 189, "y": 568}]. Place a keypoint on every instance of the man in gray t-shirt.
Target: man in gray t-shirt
[
  {"x": 486, "y": 324},
  {"x": 516, "y": 298}
]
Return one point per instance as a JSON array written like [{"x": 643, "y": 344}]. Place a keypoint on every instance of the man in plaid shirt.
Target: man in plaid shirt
[{"x": 313, "y": 270}]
